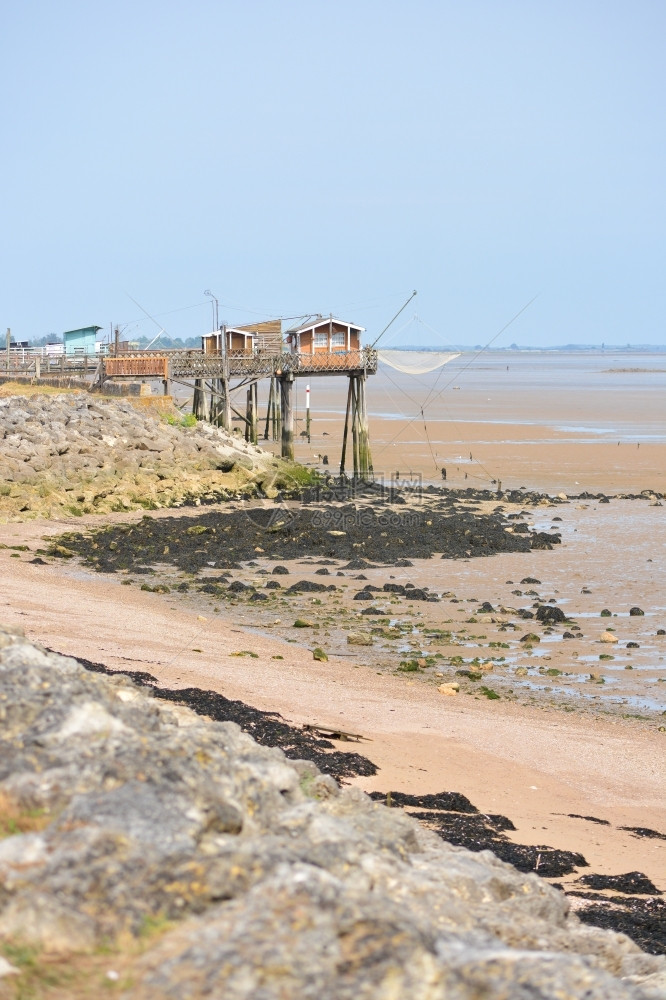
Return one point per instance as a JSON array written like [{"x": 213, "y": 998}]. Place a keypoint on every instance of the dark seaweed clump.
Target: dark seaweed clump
[
  {"x": 631, "y": 883},
  {"x": 267, "y": 728},
  {"x": 644, "y": 831},
  {"x": 382, "y": 534},
  {"x": 643, "y": 920},
  {"x": 457, "y": 821}
]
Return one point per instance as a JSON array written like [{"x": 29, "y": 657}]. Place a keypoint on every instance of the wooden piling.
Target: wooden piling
[
  {"x": 355, "y": 436},
  {"x": 248, "y": 413},
  {"x": 365, "y": 459},
  {"x": 357, "y": 416},
  {"x": 200, "y": 400},
  {"x": 287, "y": 416},
  {"x": 345, "y": 432},
  {"x": 251, "y": 415},
  {"x": 269, "y": 408}
]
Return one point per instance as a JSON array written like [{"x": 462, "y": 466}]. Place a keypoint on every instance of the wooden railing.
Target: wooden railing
[
  {"x": 196, "y": 364},
  {"x": 150, "y": 365}
]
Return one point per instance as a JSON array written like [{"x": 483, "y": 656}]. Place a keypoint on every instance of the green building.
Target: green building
[{"x": 81, "y": 341}]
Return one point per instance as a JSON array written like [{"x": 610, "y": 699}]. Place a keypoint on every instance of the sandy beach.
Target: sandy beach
[
  {"x": 573, "y": 422},
  {"x": 532, "y": 762},
  {"x": 554, "y": 751}
]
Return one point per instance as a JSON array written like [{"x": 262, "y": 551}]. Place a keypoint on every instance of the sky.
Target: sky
[{"x": 303, "y": 156}]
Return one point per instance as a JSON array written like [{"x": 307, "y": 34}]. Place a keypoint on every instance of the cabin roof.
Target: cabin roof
[{"x": 326, "y": 321}]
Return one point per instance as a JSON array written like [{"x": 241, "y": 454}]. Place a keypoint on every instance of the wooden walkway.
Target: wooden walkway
[
  {"x": 196, "y": 364},
  {"x": 213, "y": 374}
]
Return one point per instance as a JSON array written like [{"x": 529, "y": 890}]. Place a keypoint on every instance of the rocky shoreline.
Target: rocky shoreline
[
  {"x": 126, "y": 816},
  {"x": 73, "y": 454},
  {"x": 627, "y": 903}
]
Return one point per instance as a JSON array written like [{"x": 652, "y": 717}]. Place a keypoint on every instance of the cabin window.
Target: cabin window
[
  {"x": 338, "y": 339},
  {"x": 321, "y": 340}
]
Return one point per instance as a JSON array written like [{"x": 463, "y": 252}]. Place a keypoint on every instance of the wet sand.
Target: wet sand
[
  {"x": 552, "y": 422},
  {"x": 556, "y": 430},
  {"x": 530, "y": 762}
]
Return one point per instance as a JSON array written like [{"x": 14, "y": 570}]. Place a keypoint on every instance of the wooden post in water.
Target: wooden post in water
[
  {"x": 355, "y": 442},
  {"x": 343, "y": 455},
  {"x": 199, "y": 400},
  {"x": 251, "y": 414},
  {"x": 269, "y": 408},
  {"x": 272, "y": 418},
  {"x": 287, "y": 416},
  {"x": 357, "y": 414},
  {"x": 216, "y": 401},
  {"x": 248, "y": 413},
  {"x": 307, "y": 413},
  {"x": 365, "y": 459},
  {"x": 224, "y": 381}
]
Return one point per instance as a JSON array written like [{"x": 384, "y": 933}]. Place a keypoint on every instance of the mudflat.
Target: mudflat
[{"x": 563, "y": 732}]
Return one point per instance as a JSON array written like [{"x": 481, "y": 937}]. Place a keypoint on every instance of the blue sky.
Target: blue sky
[{"x": 302, "y": 156}]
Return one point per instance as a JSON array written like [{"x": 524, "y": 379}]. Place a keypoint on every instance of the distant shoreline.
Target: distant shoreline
[{"x": 527, "y": 349}]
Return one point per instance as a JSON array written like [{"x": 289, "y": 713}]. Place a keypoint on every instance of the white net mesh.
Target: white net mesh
[{"x": 416, "y": 362}]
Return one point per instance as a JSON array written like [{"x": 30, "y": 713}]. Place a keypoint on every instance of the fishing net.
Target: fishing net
[{"x": 415, "y": 362}]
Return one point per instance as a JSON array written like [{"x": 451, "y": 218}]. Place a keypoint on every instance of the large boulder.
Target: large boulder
[{"x": 270, "y": 880}]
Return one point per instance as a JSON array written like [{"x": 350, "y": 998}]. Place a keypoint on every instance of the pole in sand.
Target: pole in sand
[{"x": 307, "y": 412}]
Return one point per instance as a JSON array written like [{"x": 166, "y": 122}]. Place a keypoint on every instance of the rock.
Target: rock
[
  {"x": 268, "y": 880},
  {"x": 529, "y": 579},
  {"x": 309, "y": 587},
  {"x": 449, "y": 689},
  {"x": 302, "y": 623},
  {"x": 636, "y": 612},
  {"x": 605, "y": 613},
  {"x": 319, "y": 654},
  {"x": 633, "y": 645},
  {"x": 417, "y": 594},
  {"x": 359, "y": 639},
  {"x": 78, "y": 455},
  {"x": 530, "y": 638},
  {"x": 280, "y": 571},
  {"x": 548, "y": 613},
  {"x": 607, "y": 637}
]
